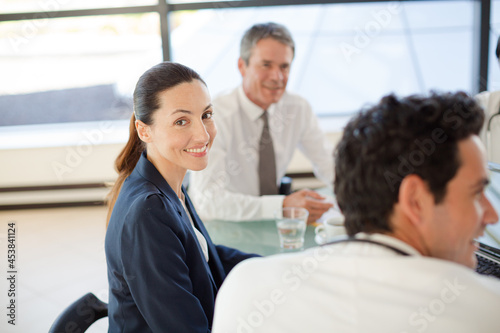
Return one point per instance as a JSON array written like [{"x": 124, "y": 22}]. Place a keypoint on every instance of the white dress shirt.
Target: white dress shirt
[
  {"x": 356, "y": 287},
  {"x": 229, "y": 188},
  {"x": 490, "y": 101}
]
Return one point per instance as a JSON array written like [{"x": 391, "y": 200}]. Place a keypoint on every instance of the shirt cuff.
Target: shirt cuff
[{"x": 270, "y": 204}]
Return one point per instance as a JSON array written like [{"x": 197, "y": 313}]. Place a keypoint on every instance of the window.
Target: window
[
  {"x": 74, "y": 69},
  {"x": 78, "y": 69},
  {"x": 346, "y": 54},
  {"x": 44, "y": 6}
]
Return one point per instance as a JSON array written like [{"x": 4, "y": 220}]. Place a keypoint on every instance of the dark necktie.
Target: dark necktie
[{"x": 267, "y": 162}]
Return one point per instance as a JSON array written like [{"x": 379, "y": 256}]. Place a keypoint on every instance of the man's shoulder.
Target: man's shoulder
[
  {"x": 489, "y": 100},
  {"x": 295, "y": 103},
  {"x": 423, "y": 266},
  {"x": 488, "y": 94},
  {"x": 226, "y": 102},
  {"x": 291, "y": 96}
]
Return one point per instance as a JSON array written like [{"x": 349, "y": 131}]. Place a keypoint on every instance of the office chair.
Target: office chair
[{"x": 78, "y": 316}]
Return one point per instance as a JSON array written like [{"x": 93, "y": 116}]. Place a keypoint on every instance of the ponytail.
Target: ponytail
[{"x": 125, "y": 164}]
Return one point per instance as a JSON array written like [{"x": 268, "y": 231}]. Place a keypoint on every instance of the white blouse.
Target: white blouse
[{"x": 201, "y": 239}]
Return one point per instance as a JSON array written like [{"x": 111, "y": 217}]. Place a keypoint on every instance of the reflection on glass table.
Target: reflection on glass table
[{"x": 259, "y": 237}]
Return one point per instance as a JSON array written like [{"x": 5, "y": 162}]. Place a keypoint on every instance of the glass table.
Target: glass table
[{"x": 259, "y": 237}]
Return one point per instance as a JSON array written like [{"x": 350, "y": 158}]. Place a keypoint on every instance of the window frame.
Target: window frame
[{"x": 481, "y": 39}]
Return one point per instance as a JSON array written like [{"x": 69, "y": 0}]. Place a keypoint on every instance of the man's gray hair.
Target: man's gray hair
[{"x": 264, "y": 30}]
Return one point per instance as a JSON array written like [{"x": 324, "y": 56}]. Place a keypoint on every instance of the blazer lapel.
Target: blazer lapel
[{"x": 148, "y": 171}]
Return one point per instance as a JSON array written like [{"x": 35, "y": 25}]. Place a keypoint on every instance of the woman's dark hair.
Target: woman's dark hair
[
  {"x": 157, "y": 79},
  {"x": 395, "y": 138}
]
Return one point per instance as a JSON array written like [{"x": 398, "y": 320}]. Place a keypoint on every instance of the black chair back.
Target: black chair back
[{"x": 78, "y": 316}]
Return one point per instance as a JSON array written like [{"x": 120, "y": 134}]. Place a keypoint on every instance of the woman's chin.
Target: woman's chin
[{"x": 197, "y": 167}]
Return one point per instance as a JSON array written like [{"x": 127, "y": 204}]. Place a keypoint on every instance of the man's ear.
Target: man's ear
[
  {"x": 414, "y": 199},
  {"x": 143, "y": 131},
  {"x": 242, "y": 66}
]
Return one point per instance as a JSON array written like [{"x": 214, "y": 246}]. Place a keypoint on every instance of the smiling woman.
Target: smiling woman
[
  {"x": 163, "y": 269},
  {"x": 181, "y": 133}
]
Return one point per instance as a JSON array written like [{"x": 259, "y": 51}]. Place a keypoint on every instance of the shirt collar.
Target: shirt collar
[
  {"x": 253, "y": 111},
  {"x": 388, "y": 240}
]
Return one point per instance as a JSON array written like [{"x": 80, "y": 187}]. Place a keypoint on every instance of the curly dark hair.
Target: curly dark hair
[{"x": 397, "y": 137}]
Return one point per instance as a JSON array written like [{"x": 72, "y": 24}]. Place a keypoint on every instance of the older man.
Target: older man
[{"x": 260, "y": 125}]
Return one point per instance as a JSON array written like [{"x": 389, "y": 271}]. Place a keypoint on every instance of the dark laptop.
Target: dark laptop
[{"x": 488, "y": 255}]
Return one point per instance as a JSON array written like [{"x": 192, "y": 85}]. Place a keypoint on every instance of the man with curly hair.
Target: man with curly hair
[{"x": 410, "y": 179}]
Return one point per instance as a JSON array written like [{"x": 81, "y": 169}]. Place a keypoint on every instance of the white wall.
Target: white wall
[
  {"x": 75, "y": 164},
  {"x": 62, "y": 154},
  {"x": 69, "y": 154},
  {"x": 57, "y": 165}
]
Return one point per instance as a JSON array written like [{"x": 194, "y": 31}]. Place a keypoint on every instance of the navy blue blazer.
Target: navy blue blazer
[{"x": 159, "y": 279}]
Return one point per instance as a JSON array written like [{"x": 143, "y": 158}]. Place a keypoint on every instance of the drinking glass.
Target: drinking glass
[{"x": 291, "y": 223}]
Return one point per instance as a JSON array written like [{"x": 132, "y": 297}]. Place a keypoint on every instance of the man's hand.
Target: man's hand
[{"x": 309, "y": 200}]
